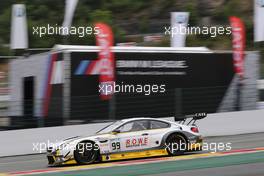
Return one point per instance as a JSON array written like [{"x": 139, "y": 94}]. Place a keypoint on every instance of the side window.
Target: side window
[
  {"x": 158, "y": 124},
  {"x": 126, "y": 127},
  {"x": 134, "y": 126},
  {"x": 141, "y": 125}
]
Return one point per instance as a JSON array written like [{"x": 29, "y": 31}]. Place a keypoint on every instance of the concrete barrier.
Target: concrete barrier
[
  {"x": 21, "y": 142},
  {"x": 232, "y": 123}
]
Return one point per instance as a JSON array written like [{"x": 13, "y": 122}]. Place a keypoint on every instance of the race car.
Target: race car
[{"x": 128, "y": 139}]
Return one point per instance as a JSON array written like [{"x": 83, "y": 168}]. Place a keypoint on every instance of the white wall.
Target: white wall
[
  {"x": 18, "y": 142},
  {"x": 232, "y": 123},
  {"x": 34, "y": 65}
]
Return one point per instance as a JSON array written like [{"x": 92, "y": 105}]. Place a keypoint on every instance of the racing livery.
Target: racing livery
[{"x": 128, "y": 139}]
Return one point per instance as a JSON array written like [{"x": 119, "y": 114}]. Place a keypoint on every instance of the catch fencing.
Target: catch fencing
[{"x": 172, "y": 103}]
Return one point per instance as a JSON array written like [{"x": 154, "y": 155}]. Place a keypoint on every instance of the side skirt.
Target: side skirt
[{"x": 133, "y": 155}]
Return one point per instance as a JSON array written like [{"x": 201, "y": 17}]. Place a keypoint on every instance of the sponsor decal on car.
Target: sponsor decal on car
[{"x": 136, "y": 142}]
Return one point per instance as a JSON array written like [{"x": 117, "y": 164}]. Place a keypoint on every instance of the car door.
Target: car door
[
  {"x": 157, "y": 130},
  {"x": 131, "y": 136}
]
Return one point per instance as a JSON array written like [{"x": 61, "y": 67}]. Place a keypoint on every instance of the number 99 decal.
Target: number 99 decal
[{"x": 116, "y": 146}]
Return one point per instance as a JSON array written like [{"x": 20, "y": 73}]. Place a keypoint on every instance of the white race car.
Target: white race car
[{"x": 127, "y": 139}]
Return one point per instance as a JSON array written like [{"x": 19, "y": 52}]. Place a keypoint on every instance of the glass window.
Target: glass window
[
  {"x": 134, "y": 126},
  {"x": 110, "y": 127},
  {"x": 141, "y": 125},
  {"x": 154, "y": 124},
  {"x": 126, "y": 127}
]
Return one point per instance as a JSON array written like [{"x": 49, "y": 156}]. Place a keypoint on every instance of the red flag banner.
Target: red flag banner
[
  {"x": 104, "y": 39},
  {"x": 238, "y": 42}
]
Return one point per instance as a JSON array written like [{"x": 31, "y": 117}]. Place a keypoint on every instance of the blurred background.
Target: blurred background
[
  {"x": 135, "y": 23},
  {"x": 131, "y": 20}
]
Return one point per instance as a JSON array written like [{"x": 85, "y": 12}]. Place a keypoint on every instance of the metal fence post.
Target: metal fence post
[
  {"x": 40, "y": 116},
  {"x": 66, "y": 88},
  {"x": 112, "y": 108},
  {"x": 238, "y": 95},
  {"x": 178, "y": 102}
]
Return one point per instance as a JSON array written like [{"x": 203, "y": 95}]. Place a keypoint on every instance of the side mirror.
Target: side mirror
[{"x": 116, "y": 131}]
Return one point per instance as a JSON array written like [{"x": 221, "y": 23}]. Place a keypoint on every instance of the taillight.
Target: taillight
[{"x": 194, "y": 129}]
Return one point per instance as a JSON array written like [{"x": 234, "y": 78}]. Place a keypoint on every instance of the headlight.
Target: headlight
[{"x": 64, "y": 146}]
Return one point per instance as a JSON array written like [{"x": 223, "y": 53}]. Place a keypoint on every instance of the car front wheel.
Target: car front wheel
[{"x": 86, "y": 152}]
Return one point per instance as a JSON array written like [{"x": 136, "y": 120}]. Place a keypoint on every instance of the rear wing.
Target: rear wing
[{"x": 193, "y": 117}]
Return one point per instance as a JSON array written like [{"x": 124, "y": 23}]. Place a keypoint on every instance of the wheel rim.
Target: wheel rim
[
  {"x": 84, "y": 155},
  {"x": 176, "y": 144}
]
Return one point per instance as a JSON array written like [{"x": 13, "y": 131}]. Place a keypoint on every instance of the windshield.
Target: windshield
[{"x": 109, "y": 128}]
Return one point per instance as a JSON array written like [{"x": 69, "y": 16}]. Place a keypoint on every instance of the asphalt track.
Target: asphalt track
[{"x": 240, "y": 164}]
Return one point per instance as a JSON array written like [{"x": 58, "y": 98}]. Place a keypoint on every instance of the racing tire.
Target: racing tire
[
  {"x": 176, "y": 144},
  {"x": 86, "y": 152}
]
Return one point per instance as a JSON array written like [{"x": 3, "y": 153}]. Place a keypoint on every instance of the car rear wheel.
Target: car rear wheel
[
  {"x": 176, "y": 144},
  {"x": 86, "y": 152}
]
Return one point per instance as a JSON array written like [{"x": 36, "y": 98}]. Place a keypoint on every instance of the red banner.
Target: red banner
[
  {"x": 104, "y": 39},
  {"x": 238, "y": 41}
]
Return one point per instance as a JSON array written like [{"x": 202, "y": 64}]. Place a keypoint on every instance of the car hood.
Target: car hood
[
  {"x": 95, "y": 137},
  {"x": 73, "y": 141}
]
